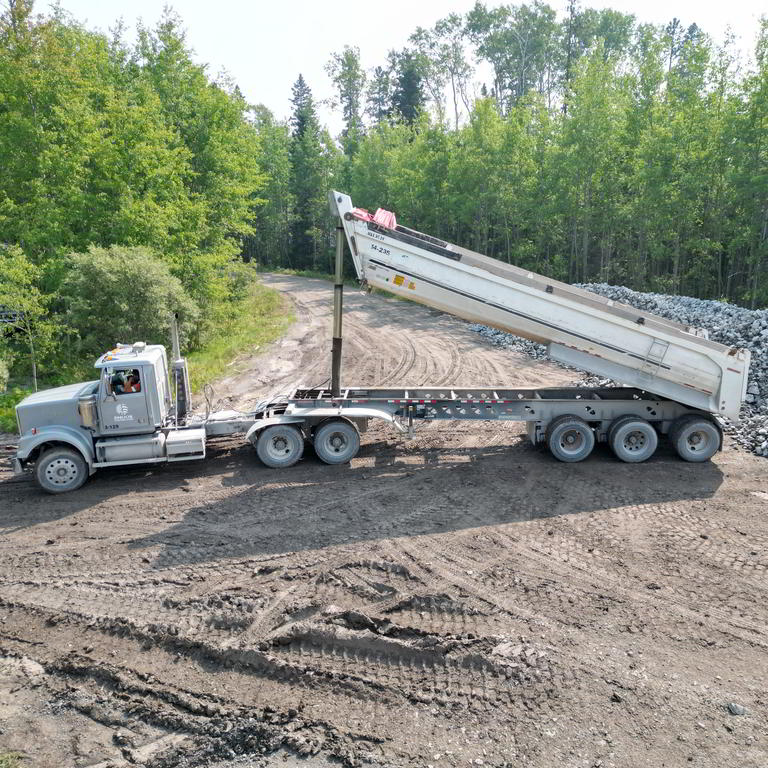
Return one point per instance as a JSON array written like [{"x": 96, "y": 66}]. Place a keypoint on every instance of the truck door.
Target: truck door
[{"x": 123, "y": 401}]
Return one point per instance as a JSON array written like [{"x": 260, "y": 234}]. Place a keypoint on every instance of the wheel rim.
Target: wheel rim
[
  {"x": 61, "y": 471},
  {"x": 697, "y": 441},
  {"x": 279, "y": 446},
  {"x": 635, "y": 441},
  {"x": 337, "y": 442},
  {"x": 572, "y": 441}
]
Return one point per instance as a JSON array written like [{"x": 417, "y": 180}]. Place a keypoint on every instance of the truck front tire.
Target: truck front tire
[{"x": 60, "y": 469}]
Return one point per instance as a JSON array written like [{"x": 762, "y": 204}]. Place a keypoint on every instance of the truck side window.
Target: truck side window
[{"x": 123, "y": 381}]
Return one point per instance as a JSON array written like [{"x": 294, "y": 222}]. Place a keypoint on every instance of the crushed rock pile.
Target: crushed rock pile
[{"x": 726, "y": 323}]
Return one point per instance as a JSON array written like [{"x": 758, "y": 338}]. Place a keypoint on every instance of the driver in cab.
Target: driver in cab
[{"x": 132, "y": 382}]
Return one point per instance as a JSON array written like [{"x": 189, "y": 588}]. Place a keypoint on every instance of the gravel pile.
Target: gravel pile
[{"x": 726, "y": 323}]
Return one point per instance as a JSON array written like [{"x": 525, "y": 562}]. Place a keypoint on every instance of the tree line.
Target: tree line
[
  {"x": 601, "y": 148},
  {"x": 129, "y": 179}
]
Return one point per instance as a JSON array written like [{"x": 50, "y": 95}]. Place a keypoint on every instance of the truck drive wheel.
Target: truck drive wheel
[
  {"x": 632, "y": 439},
  {"x": 695, "y": 438},
  {"x": 60, "y": 469},
  {"x": 570, "y": 438},
  {"x": 280, "y": 446},
  {"x": 336, "y": 442}
]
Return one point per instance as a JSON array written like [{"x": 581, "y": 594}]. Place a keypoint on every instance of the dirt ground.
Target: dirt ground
[{"x": 460, "y": 599}]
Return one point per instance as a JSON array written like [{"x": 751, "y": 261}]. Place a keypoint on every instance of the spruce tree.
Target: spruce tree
[
  {"x": 408, "y": 95},
  {"x": 307, "y": 179}
]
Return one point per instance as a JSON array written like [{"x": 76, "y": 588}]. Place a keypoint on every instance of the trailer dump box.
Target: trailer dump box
[{"x": 579, "y": 328}]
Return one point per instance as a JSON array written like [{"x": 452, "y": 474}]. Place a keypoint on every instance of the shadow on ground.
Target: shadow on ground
[{"x": 313, "y": 506}]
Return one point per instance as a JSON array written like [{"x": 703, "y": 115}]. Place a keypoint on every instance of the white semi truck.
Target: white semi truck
[{"x": 675, "y": 381}]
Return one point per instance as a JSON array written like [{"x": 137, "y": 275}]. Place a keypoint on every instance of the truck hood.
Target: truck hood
[
  {"x": 57, "y": 394},
  {"x": 53, "y": 407}
]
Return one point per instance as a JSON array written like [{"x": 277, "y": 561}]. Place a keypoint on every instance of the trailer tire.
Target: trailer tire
[
  {"x": 60, "y": 470},
  {"x": 336, "y": 442},
  {"x": 570, "y": 438},
  {"x": 695, "y": 438},
  {"x": 632, "y": 439},
  {"x": 281, "y": 445}
]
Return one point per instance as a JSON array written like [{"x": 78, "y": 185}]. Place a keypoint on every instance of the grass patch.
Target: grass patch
[
  {"x": 8, "y": 424},
  {"x": 260, "y": 318},
  {"x": 10, "y": 760}
]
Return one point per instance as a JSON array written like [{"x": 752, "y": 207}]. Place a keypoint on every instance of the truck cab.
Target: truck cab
[
  {"x": 127, "y": 416},
  {"x": 133, "y": 396}
]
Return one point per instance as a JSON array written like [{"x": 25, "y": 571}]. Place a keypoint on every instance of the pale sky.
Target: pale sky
[{"x": 265, "y": 44}]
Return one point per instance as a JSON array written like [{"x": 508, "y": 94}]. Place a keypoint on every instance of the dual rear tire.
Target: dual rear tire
[
  {"x": 570, "y": 438},
  {"x": 336, "y": 442},
  {"x": 632, "y": 439}
]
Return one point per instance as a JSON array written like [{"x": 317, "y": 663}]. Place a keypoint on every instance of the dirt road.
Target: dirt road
[{"x": 460, "y": 599}]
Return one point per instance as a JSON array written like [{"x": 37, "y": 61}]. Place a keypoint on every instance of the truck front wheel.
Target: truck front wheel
[{"x": 59, "y": 470}]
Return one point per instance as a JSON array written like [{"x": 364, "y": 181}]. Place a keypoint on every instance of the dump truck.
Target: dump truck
[{"x": 674, "y": 382}]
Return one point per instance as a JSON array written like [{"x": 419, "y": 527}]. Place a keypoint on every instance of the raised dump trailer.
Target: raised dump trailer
[
  {"x": 675, "y": 380},
  {"x": 579, "y": 328}
]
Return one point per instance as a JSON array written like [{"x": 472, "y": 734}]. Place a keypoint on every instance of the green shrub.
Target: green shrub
[
  {"x": 8, "y": 403},
  {"x": 123, "y": 294}
]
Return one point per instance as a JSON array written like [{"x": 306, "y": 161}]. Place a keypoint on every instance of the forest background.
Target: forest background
[{"x": 133, "y": 184}]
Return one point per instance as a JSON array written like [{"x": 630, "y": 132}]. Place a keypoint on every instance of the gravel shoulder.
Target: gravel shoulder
[{"x": 458, "y": 599}]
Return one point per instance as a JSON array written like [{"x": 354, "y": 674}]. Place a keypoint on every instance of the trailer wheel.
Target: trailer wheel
[
  {"x": 59, "y": 470},
  {"x": 336, "y": 442},
  {"x": 695, "y": 438},
  {"x": 632, "y": 439},
  {"x": 280, "y": 446},
  {"x": 570, "y": 438}
]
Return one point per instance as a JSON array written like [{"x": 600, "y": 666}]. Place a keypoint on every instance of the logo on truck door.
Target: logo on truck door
[{"x": 121, "y": 413}]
